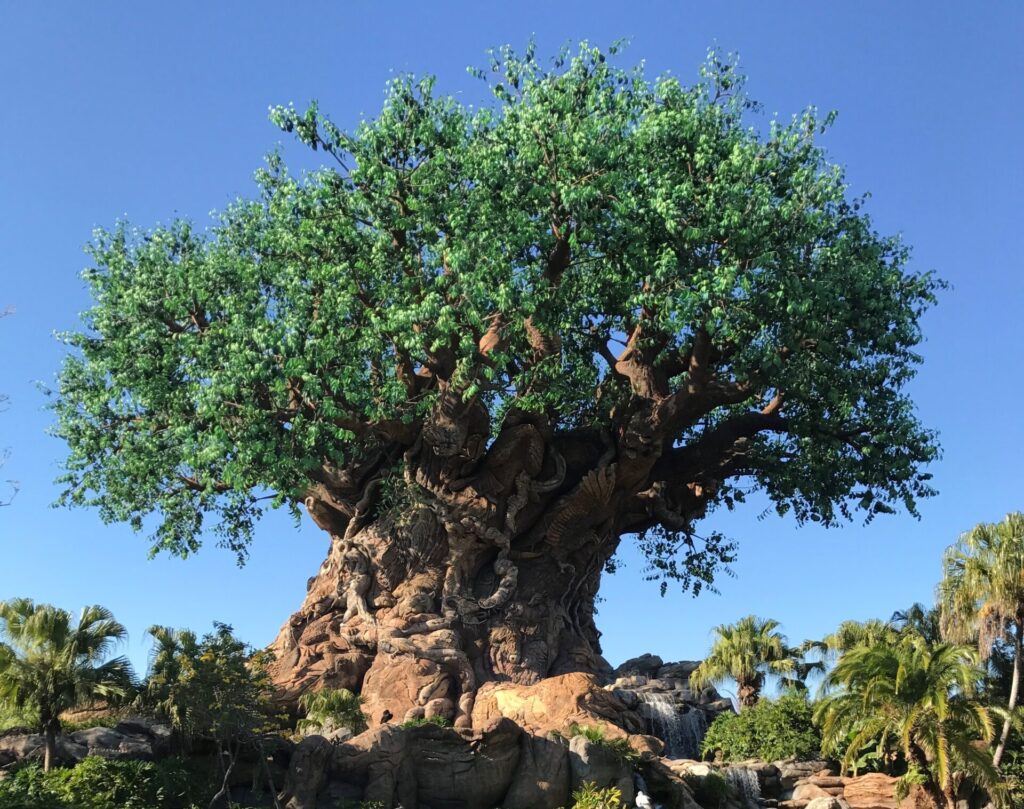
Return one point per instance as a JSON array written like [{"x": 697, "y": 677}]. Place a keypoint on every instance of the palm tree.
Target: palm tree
[
  {"x": 54, "y": 664},
  {"x": 746, "y": 652},
  {"x": 918, "y": 620},
  {"x": 915, "y": 698},
  {"x": 982, "y": 595},
  {"x": 172, "y": 654}
]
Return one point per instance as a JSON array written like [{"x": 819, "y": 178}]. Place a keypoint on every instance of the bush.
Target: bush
[
  {"x": 595, "y": 735},
  {"x": 99, "y": 783},
  {"x": 328, "y": 709},
  {"x": 588, "y": 796},
  {"x": 440, "y": 721},
  {"x": 770, "y": 730}
]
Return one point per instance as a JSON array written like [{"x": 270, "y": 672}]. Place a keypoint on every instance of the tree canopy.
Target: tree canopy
[{"x": 627, "y": 259}]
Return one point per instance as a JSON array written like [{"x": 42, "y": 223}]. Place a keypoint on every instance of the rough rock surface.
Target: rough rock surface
[
  {"x": 543, "y": 778},
  {"x": 307, "y": 773},
  {"x": 132, "y": 738},
  {"x": 661, "y": 696},
  {"x": 554, "y": 704},
  {"x": 442, "y": 768},
  {"x": 877, "y": 791},
  {"x": 601, "y": 766},
  {"x": 828, "y": 802}
]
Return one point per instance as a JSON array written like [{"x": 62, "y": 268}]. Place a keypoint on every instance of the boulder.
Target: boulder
[
  {"x": 306, "y": 773},
  {"x": 677, "y": 671},
  {"x": 646, "y": 665},
  {"x": 806, "y": 791},
  {"x": 555, "y": 704},
  {"x": 21, "y": 746},
  {"x": 111, "y": 743},
  {"x": 878, "y": 791},
  {"x": 601, "y": 765},
  {"x": 791, "y": 771},
  {"x": 428, "y": 765},
  {"x": 665, "y": 785},
  {"x": 828, "y": 802},
  {"x": 543, "y": 777}
]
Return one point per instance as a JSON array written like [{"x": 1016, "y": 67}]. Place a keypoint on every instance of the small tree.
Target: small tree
[
  {"x": 746, "y": 652},
  {"x": 174, "y": 653},
  {"x": 53, "y": 664},
  {"x": 982, "y": 595},
  {"x": 216, "y": 689}
]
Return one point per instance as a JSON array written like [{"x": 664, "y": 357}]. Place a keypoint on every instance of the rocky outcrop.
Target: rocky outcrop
[
  {"x": 555, "y": 704},
  {"x": 543, "y": 779},
  {"x": 132, "y": 738},
  {"x": 497, "y": 764},
  {"x": 878, "y": 791},
  {"x": 805, "y": 785},
  {"x": 660, "y": 694},
  {"x": 601, "y": 766}
]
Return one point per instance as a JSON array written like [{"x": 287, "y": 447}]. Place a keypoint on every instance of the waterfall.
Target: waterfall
[
  {"x": 748, "y": 788},
  {"x": 682, "y": 733}
]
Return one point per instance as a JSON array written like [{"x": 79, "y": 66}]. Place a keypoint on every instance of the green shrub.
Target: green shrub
[
  {"x": 99, "y": 783},
  {"x": 770, "y": 730},
  {"x": 595, "y": 735},
  {"x": 14, "y": 717},
  {"x": 332, "y": 708},
  {"x": 440, "y": 721},
  {"x": 588, "y": 796},
  {"x": 711, "y": 791}
]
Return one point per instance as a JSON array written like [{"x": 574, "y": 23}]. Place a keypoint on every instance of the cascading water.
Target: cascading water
[
  {"x": 748, "y": 788},
  {"x": 682, "y": 733}
]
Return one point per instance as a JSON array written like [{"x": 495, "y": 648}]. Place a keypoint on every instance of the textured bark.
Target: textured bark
[
  {"x": 478, "y": 563},
  {"x": 50, "y": 744}
]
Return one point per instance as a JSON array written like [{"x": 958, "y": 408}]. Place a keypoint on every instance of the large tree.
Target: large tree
[
  {"x": 487, "y": 343},
  {"x": 53, "y": 663},
  {"x": 981, "y": 596}
]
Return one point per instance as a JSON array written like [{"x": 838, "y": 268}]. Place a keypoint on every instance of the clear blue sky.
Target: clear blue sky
[{"x": 153, "y": 110}]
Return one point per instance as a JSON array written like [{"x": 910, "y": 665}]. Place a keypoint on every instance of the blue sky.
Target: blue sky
[{"x": 155, "y": 110}]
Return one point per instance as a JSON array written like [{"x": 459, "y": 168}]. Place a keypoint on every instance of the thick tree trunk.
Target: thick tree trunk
[
  {"x": 416, "y": 621},
  {"x": 480, "y": 562},
  {"x": 1018, "y": 649}
]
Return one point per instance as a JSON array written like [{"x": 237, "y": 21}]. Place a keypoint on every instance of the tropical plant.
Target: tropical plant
[
  {"x": 982, "y": 595},
  {"x": 102, "y": 783},
  {"x": 217, "y": 689},
  {"x": 331, "y": 708},
  {"x": 748, "y": 651},
  {"x": 598, "y": 302},
  {"x": 595, "y": 734},
  {"x": 914, "y": 700},
  {"x": 920, "y": 620},
  {"x": 588, "y": 796},
  {"x": 51, "y": 663},
  {"x": 772, "y": 729}
]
